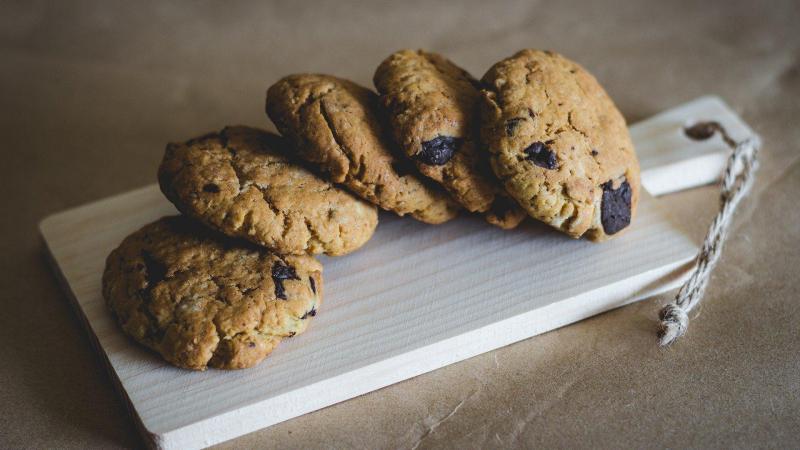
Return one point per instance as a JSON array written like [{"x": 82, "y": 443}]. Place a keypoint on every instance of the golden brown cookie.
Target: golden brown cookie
[
  {"x": 433, "y": 112},
  {"x": 202, "y": 299},
  {"x": 239, "y": 181},
  {"x": 559, "y": 144},
  {"x": 432, "y": 109},
  {"x": 335, "y": 124}
]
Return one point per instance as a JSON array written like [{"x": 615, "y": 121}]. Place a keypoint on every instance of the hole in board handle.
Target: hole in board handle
[
  {"x": 700, "y": 131},
  {"x": 703, "y": 130}
]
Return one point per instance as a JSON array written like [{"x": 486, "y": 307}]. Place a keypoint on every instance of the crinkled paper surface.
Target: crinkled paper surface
[{"x": 93, "y": 90}]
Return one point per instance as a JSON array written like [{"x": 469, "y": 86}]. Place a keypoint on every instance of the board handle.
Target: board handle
[{"x": 670, "y": 160}]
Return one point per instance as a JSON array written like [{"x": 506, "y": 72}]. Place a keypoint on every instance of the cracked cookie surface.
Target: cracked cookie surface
[
  {"x": 559, "y": 144},
  {"x": 432, "y": 106},
  {"x": 336, "y": 125},
  {"x": 201, "y": 299},
  {"x": 239, "y": 182}
]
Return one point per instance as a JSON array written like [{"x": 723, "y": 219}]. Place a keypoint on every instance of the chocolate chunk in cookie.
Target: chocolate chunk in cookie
[
  {"x": 616, "y": 207},
  {"x": 438, "y": 151},
  {"x": 281, "y": 272},
  {"x": 539, "y": 154},
  {"x": 312, "y": 284}
]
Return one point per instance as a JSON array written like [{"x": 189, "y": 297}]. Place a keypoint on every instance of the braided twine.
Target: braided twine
[{"x": 737, "y": 180}]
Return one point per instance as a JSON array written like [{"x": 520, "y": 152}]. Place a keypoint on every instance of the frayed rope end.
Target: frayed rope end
[{"x": 674, "y": 322}]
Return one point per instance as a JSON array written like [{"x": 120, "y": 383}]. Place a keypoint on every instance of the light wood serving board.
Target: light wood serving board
[{"x": 414, "y": 299}]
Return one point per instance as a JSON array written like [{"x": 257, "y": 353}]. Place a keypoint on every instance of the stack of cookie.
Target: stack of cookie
[{"x": 222, "y": 284}]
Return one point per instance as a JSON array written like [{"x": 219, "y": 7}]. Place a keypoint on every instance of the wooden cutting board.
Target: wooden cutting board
[{"x": 414, "y": 299}]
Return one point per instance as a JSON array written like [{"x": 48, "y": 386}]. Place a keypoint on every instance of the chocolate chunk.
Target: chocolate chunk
[
  {"x": 311, "y": 313},
  {"x": 211, "y": 187},
  {"x": 512, "y": 125},
  {"x": 595, "y": 152},
  {"x": 251, "y": 344},
  {"x": 615, "y": 211},
  {"x": 291, "y": 334},
  {"x": 438, "y": 150},
  {"x": 313, "y": 285},
  {"x": 156, "y": 271},
  {"x": 281, "y": 272},
  {"x": 280, "y": 291},
  {"x": 701, "y": 130},
  {"x": 541, "y": 155}
]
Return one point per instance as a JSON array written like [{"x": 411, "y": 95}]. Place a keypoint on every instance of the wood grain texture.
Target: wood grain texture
[{"x": 415, "y": 298}]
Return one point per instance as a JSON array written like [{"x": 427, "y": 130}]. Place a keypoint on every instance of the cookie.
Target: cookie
[
  {"x": 201, "y": 299},
  {"x": 559, "y": 145},
  {"x": 336, "y": 125},
  {"x": 431, "y": 105},
  {"x": 239, "y": 182}
]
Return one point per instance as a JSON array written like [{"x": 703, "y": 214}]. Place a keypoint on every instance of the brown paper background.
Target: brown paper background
[{"x": 91, "y": 92}]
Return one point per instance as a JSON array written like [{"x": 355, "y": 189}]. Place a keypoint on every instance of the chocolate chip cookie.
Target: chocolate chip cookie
[
  {"x": 239, "y": 182},
  {"x": 202, "y": 299},
  {"x": 432, "y": 106},
  {"x": 559, "y": 145},
  {"x": 336, "y": 125}
]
